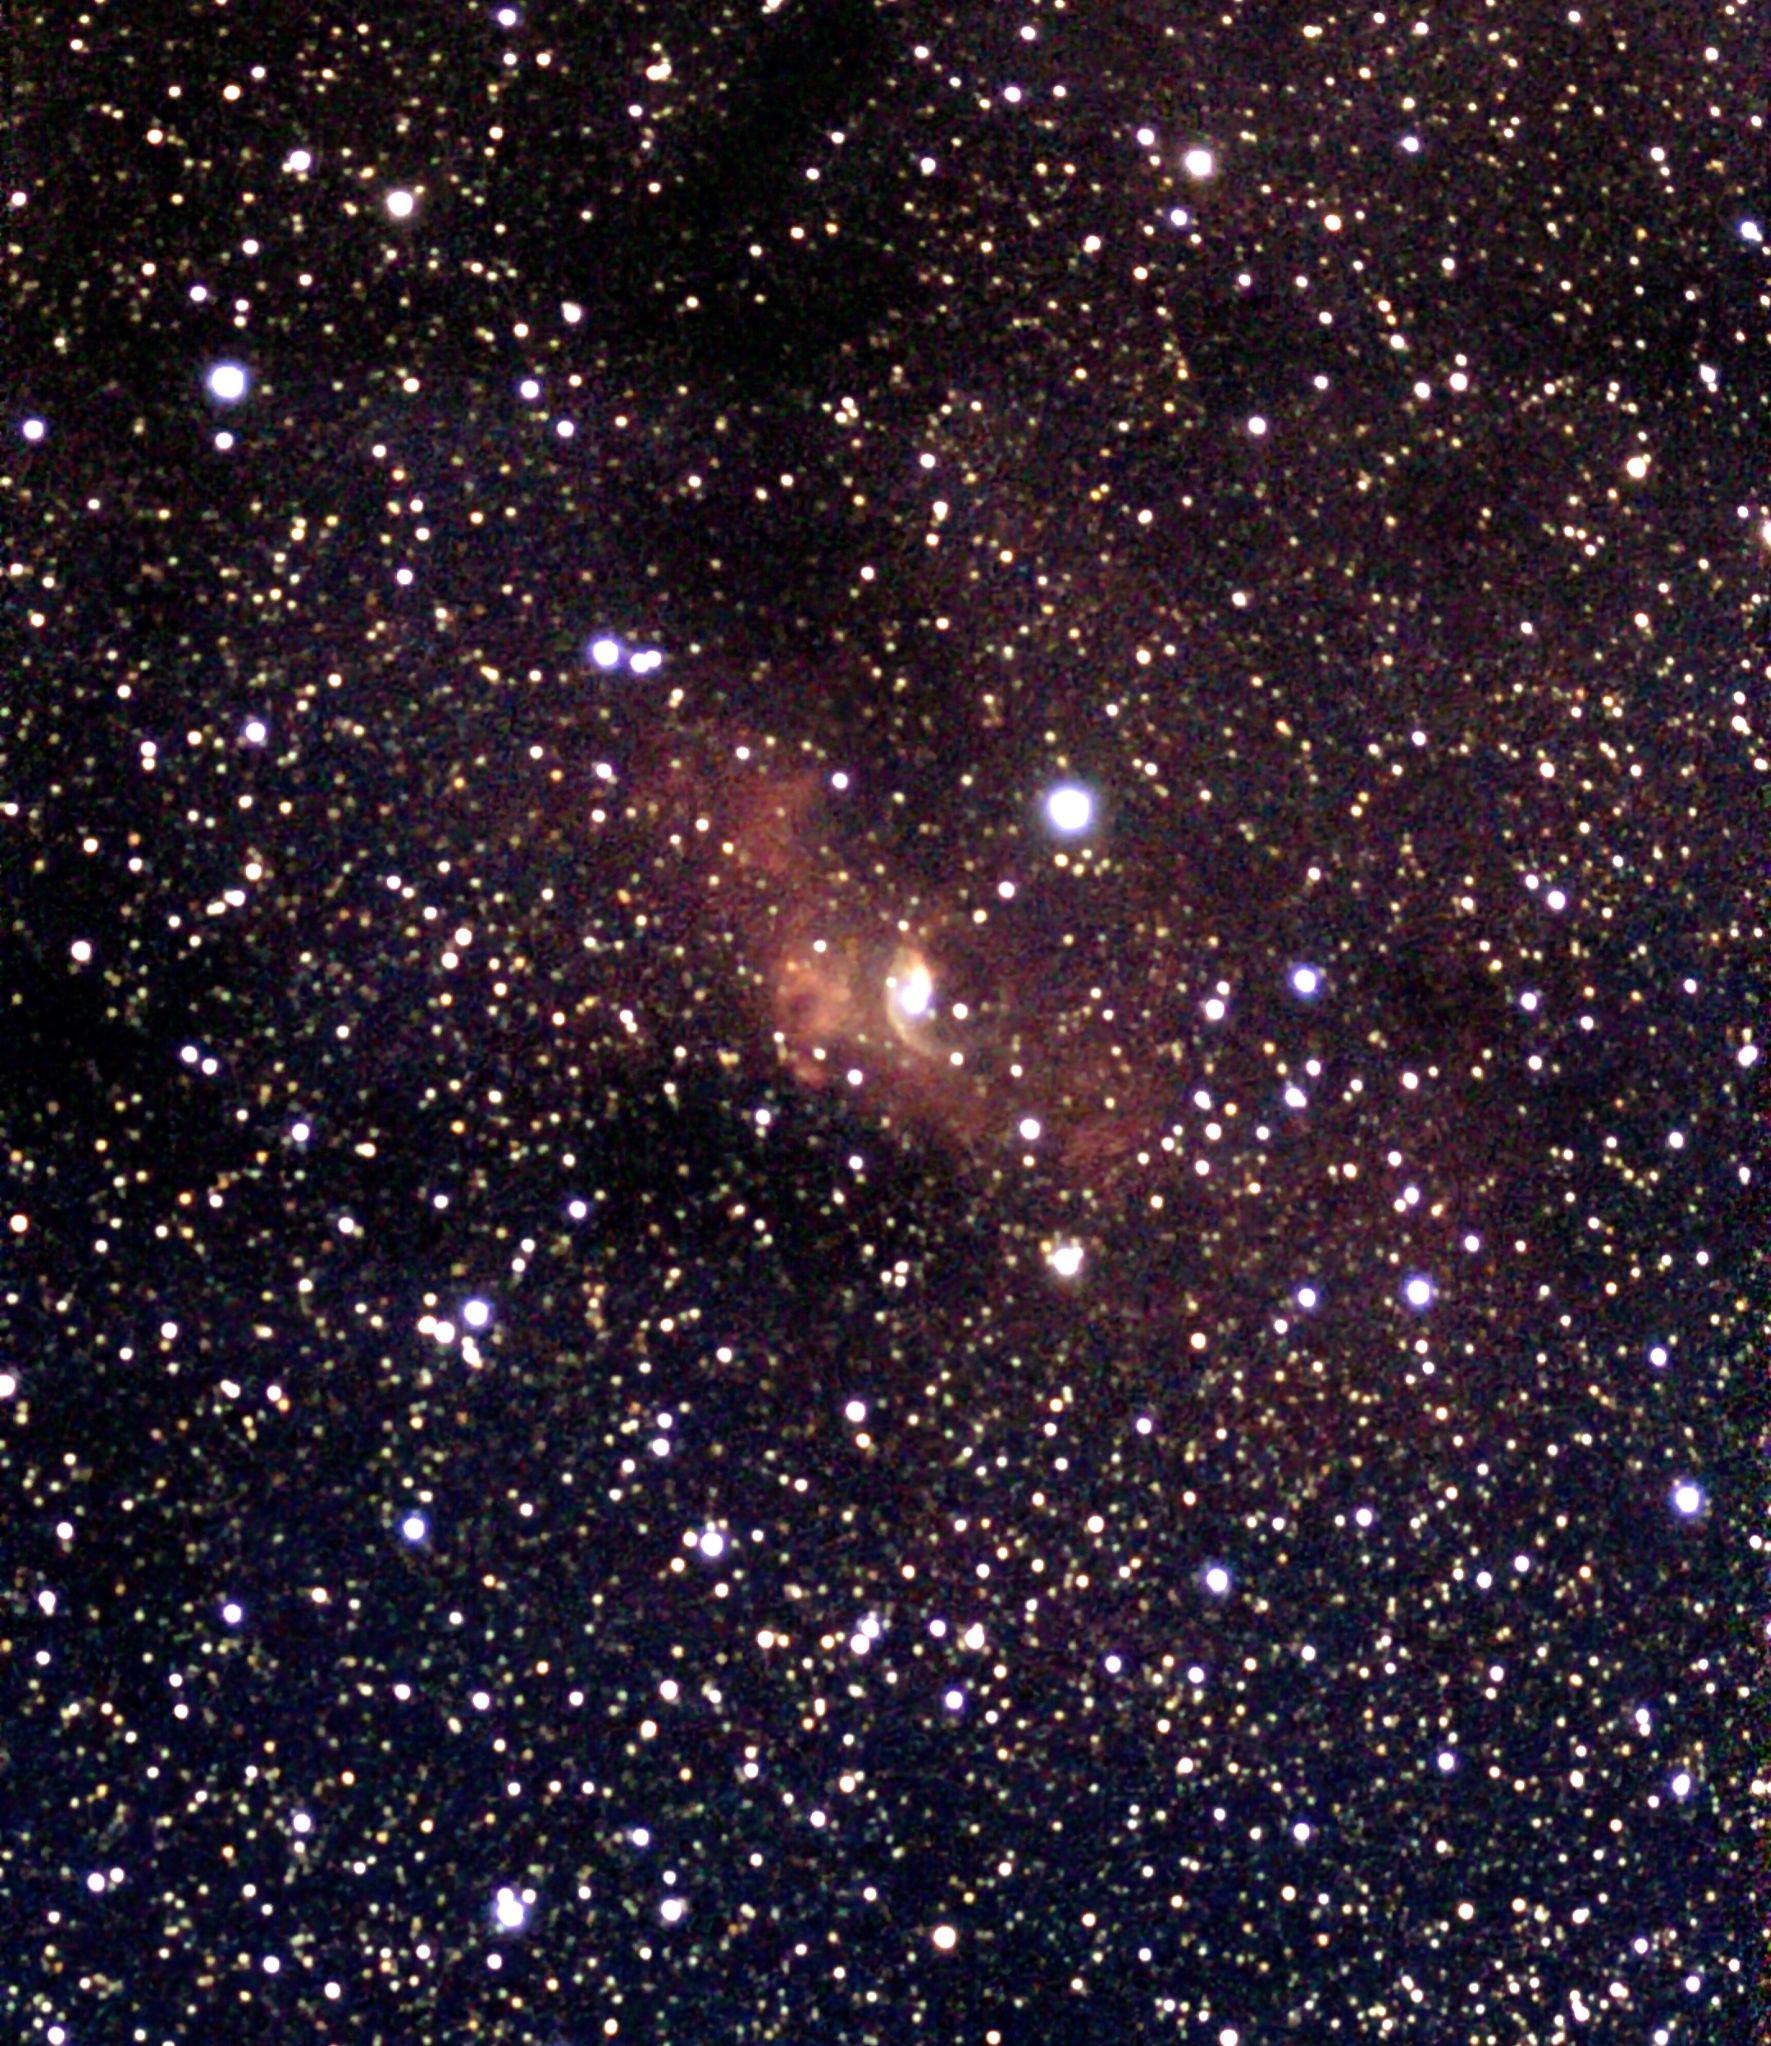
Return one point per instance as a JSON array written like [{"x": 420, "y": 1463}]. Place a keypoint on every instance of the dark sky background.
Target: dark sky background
[{"x": 672, "y": 1371}]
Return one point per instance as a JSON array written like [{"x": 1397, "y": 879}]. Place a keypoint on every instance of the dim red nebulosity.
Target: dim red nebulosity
[
  {"x": 945, "y": 1008},
  {"x": 1034, "y": 1016}
]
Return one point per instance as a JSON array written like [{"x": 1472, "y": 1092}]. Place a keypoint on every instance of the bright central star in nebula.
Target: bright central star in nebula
[
  {"x": 912, "y": 988},
  {"x": 1070, "y": 809}
]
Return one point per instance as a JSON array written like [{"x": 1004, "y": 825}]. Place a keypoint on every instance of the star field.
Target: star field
[{"x": 881, "y": 964}]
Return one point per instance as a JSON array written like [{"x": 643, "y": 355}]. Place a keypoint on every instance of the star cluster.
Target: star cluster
[{"x": 881, "y": 965}]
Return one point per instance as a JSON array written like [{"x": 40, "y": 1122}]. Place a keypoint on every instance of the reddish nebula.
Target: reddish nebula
[
  {"x": 792, "y": 930},
  {"x": 943, "y": 1008}
]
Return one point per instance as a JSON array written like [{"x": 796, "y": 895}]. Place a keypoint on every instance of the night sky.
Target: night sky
[{"x": 883, "y": 907}]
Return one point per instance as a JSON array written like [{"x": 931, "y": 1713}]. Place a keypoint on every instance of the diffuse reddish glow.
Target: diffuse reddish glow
[
  {"x": 769, "y": 893},
  {"x": 847, "y": 970}
]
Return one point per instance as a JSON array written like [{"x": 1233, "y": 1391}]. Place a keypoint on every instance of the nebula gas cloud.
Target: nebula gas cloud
[{"x": 950, "y": 1008}]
